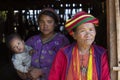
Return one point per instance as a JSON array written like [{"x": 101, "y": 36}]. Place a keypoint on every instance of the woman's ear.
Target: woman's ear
[
  {"x": 55, "y": 24},
  {"x": 73, "y": 35}
]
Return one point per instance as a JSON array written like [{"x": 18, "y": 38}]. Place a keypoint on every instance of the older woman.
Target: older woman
[{"x": 81, "y": 60}]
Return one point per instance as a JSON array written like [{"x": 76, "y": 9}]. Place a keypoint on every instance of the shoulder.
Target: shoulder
[
  {"x": 16, "y": 57},
  {"x": 60, "y": 35},
  {"x": 32, "y": 40},
  {"x": 65, "y": 53},
  {"x": 99, "y": 49},
  {"x": 28, "y": 47},
  {"x": 67, "y": 49},
  {"x": 34, "y": 37}
]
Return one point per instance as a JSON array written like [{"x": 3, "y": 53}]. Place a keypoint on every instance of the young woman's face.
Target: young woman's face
[
  {"x": 46, "y": 24},
  {"x": 17, "y": 45},
  {"x": 85, "y": 34}
]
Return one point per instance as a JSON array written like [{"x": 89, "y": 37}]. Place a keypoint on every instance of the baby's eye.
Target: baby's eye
[
  {"x": 18, "y": 43},
  {"x": 91, "y": 29},
  {"x": 13, "y": 47}
]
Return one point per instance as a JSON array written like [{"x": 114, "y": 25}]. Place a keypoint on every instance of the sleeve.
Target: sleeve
[
  {"x": 29, "y": 48},
  {"x": 17, "y": 62},
  {"x": 30, "y": 41},
  {"x": 105, "y": 75},
  {"x": 65, "y": 41},
  {"x": 57, "y": 70}
]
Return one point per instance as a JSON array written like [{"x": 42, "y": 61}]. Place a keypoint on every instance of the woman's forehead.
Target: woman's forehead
[
  {"x": 86, "y": 25},
  {"x": 45, "y": 16}
]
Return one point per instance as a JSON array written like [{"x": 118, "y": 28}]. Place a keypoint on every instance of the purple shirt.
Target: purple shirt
[{"x": 46, "y": 51}]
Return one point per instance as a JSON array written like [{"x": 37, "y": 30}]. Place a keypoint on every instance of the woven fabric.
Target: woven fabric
[{"x": 80, "y": 18}]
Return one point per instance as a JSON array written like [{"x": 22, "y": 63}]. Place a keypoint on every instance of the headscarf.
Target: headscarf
[
  {"x": 50, "y": 12},
  {"x": 78, "y": 19}
]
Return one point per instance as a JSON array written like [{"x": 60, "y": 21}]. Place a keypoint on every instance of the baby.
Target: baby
[{"x": 22, "y": 53}]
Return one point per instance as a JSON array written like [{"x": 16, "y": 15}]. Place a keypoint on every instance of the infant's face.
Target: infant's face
[{"x": 17, "y": 45}]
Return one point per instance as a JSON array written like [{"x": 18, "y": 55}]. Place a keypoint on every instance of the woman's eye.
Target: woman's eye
[
  {"x": 50, "y": 21},
  {"x": 91, "y": 30},
  {"x": 81, "y": 31}
]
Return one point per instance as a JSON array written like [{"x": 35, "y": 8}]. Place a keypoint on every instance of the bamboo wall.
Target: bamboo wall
[
  {"x": 113, "y": 37},
  {"x": 23, "y": 19}
]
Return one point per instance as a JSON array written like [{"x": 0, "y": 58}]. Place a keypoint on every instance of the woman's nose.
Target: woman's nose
[
  {"x": 45, "y": 25},
  {"x": 88, "y": 33}
]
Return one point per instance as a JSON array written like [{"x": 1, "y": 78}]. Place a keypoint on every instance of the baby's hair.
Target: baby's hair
[{"x": 10, "y": 37}]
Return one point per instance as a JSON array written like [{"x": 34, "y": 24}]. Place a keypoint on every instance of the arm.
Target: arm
[
  {"x": 64, "y": 41},
  {"x": 33, "y": 74},
  {"x": 31, "y": 41},
  {"x": 31, "y": 44},
  {"x": 36, "y": 73},
  {"x": 31, "y": 50},
  {"x": 17, "y": 62},
  {"x": 22, "y": 75},
  {"x": 58, "y": 69},
  {"x": 105, "y": 75}
]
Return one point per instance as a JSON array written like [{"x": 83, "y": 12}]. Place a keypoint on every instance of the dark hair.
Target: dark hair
[
  {"x": 74, "y": 29},
  {"x": 10, "y": 37},
  {"x": 49, "y": 12}
]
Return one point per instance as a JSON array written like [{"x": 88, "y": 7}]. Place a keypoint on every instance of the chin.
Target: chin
[
  {"x": 46, "y": 33},
  {"x": 22, "y": 51},
  {"x": 89, "y": 43}
]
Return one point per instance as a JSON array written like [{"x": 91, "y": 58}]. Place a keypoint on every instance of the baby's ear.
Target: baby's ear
[{"x": 23, "y": 41}]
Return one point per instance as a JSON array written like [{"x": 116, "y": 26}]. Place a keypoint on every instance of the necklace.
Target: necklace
[
  {"x": 84, "y": 64},
  {"x": 48, "y": 39},
  {"x": 83, "y": 70}
]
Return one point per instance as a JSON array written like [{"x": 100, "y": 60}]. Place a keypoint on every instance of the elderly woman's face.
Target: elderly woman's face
[{"x": 85, "y": 34}]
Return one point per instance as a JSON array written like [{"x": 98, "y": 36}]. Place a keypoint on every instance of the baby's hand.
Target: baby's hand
[
  {"x": 36, "y": 79},
  {"x": 36, "y": 73},
  {"x": 31, "y": 51}
]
